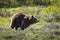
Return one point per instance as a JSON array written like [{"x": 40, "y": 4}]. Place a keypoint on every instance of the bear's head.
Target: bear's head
[{"x": 33, "y": 19}]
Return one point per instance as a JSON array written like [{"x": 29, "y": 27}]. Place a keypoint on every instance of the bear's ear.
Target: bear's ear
[{"x": 32, "y": 16}]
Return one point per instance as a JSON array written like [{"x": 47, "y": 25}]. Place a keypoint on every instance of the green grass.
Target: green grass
[{"x": 43, "y": 30}]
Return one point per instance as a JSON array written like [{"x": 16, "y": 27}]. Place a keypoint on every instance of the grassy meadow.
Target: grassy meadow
[{"x": 48, "y": 27}]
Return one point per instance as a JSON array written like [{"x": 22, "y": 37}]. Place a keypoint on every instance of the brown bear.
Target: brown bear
[{"x": 22, "y": 21}]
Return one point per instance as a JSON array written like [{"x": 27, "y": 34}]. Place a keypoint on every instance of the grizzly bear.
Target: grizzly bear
[{"x": 22, "y": 21}]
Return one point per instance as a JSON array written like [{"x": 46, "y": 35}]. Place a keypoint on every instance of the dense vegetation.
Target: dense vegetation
[
  {"x": 47, "y": 11},
  {"x": 18, "y": 3}
]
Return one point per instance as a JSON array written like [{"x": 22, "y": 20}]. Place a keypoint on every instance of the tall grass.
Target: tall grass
[{"x": 47, "y": 28}]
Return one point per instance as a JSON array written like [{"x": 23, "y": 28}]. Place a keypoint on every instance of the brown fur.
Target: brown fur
[{"x": 22, "y": 21}]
